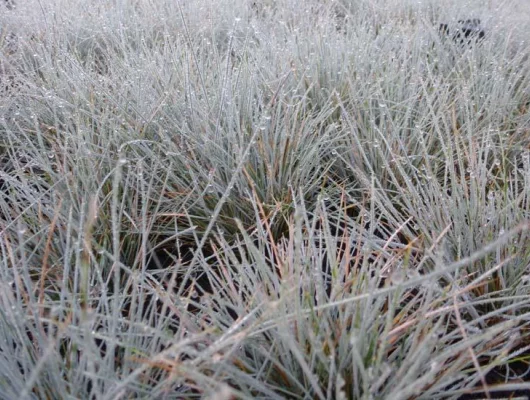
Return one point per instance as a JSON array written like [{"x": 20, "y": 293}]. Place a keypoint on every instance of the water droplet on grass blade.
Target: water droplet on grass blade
[{"x": 397, "y": 277}]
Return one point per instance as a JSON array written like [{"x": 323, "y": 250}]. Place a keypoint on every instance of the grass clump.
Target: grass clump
[{"x": 263, "y": 200}]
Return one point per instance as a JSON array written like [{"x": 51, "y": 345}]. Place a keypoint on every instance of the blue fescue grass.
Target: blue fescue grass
[{"x": 262, "y": 200}]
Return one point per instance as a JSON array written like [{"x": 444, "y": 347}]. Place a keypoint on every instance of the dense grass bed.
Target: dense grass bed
[{"x": 274, "y": 199}]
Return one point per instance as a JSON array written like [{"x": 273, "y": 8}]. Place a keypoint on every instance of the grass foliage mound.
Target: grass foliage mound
[{"x": 272, "y": 199}]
